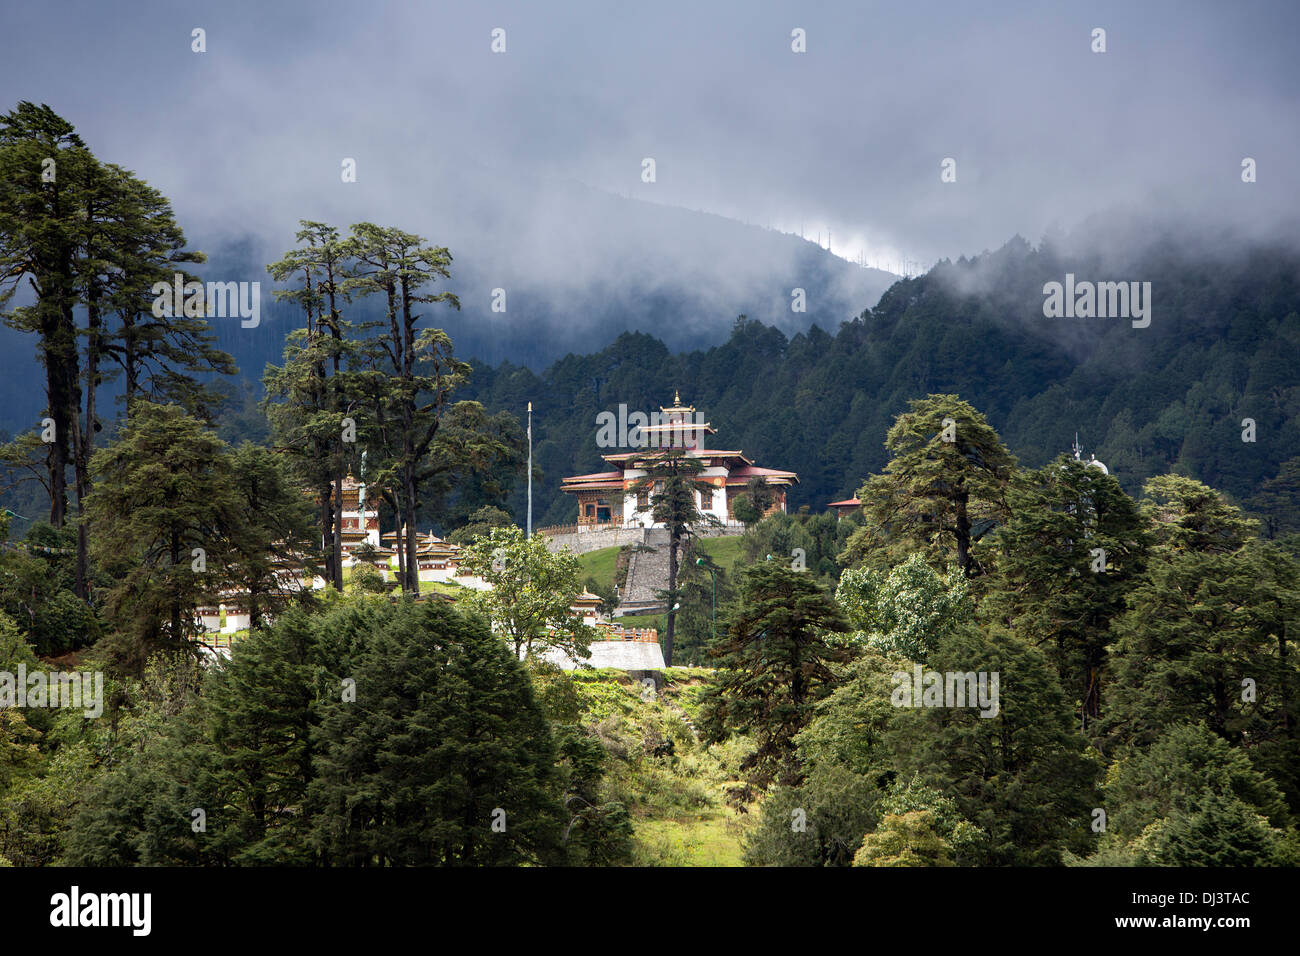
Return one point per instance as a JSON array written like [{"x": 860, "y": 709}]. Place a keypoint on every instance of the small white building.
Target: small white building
[{"x": 635, "y": 656}]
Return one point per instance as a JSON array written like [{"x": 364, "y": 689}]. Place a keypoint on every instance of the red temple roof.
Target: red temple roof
[
  {"x": 753, "y": 471},
  {"x": 596, "y": 476}
]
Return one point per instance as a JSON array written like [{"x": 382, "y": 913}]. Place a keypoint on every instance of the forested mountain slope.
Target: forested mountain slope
[{"x": 1221, "y": 346}]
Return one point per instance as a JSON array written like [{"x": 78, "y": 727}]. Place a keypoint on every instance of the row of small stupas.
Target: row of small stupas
[
  {"x": 607, "y": 498},
  {"x": 438, "y": 561}
]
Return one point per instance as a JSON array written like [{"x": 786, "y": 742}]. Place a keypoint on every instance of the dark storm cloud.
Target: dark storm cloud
[{"x": 474, "y": 149}]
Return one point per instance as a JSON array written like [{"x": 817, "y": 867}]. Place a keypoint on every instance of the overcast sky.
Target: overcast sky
[{"x": 845, "y": 139}]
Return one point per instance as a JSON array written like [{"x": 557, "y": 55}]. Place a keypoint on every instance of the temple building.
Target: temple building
[
  {"x": 846, "y": 507},
  {"x": 606, "y": 498}
]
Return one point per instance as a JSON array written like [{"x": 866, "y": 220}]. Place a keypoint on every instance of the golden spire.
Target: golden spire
[{"x": 677, "y": 398}]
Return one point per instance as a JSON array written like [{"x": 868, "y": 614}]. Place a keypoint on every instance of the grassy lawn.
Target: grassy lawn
[
  {"x": 724, "y": 552},
  {"x": 599, "y": 565},
  {"x": 445, "y": 587},
  {"x": 709, "y": 838}
]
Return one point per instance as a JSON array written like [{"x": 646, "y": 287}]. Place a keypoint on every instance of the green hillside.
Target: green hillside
[{"x": 676, "y": 800}]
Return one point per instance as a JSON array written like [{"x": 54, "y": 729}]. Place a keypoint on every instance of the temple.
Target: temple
[{"x": 606, "y": 499}]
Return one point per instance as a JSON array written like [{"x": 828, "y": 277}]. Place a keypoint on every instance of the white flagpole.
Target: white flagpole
[{"x": 530, "y": 470}]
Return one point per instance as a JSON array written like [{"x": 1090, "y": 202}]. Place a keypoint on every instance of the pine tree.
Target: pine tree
[
  {"x": 1188, "y": 516},
  {"x": 37, "y": 590},
  {"x": 1073, "y": 546},
  {"x": 1020, "y": 771},
  {"x": 1219, "y": 831},
  {"x": 163, "y": 514},
  {"x": 141, "y": 811},
  {"x": 90, "y": 235},
  {"x": 165, "y": 358},
  {"x": 819, "y": 823},
  {"x": 671, "y": 485},
  {"x": 130, "y": 240},
  {"x": 1176, "y": 772},
  {"x": 313, "y": 392},
  {"x": 775, "y": 662},
  {"x": 704, "y": 587},
  {"x": 273, "y": 545},
  {"x": 1278, "y": 501},
  {"x": 410, "y": 407},
  {"x": 444, "y": 758},
  {"x": 259, "y": 710},
  {"x": 947, "y": 478},
  {"x": 1204, "y": 638},
  {"x": 42, "y": 230}
]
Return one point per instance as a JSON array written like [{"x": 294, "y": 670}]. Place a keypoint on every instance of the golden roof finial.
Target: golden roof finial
[{"x": 677, "y": 397}]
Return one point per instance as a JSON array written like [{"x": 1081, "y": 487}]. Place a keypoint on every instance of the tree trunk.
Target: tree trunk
[
  {"x": 401, "y": 549},
  {"x": 59, "y": 396},
  {"x": 962, "y": 533},
  {"x": 337, "y": 335},
  {"x": 58, "y": 331},
  {"x": 1092, "y": 691},
  {"x": 412, "y": 563},
  {"x": 399, "y": 546},
  {"x": 407, "y": 346},
  {"x": 673, "y": 539},
  {"x": 86, "y": 441},
  {"x": 327, "y": 530},
  {"x": 130, "y": 362}
]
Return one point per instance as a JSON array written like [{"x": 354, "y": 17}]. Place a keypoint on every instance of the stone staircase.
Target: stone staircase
[{"x": 647, "y": 573}]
